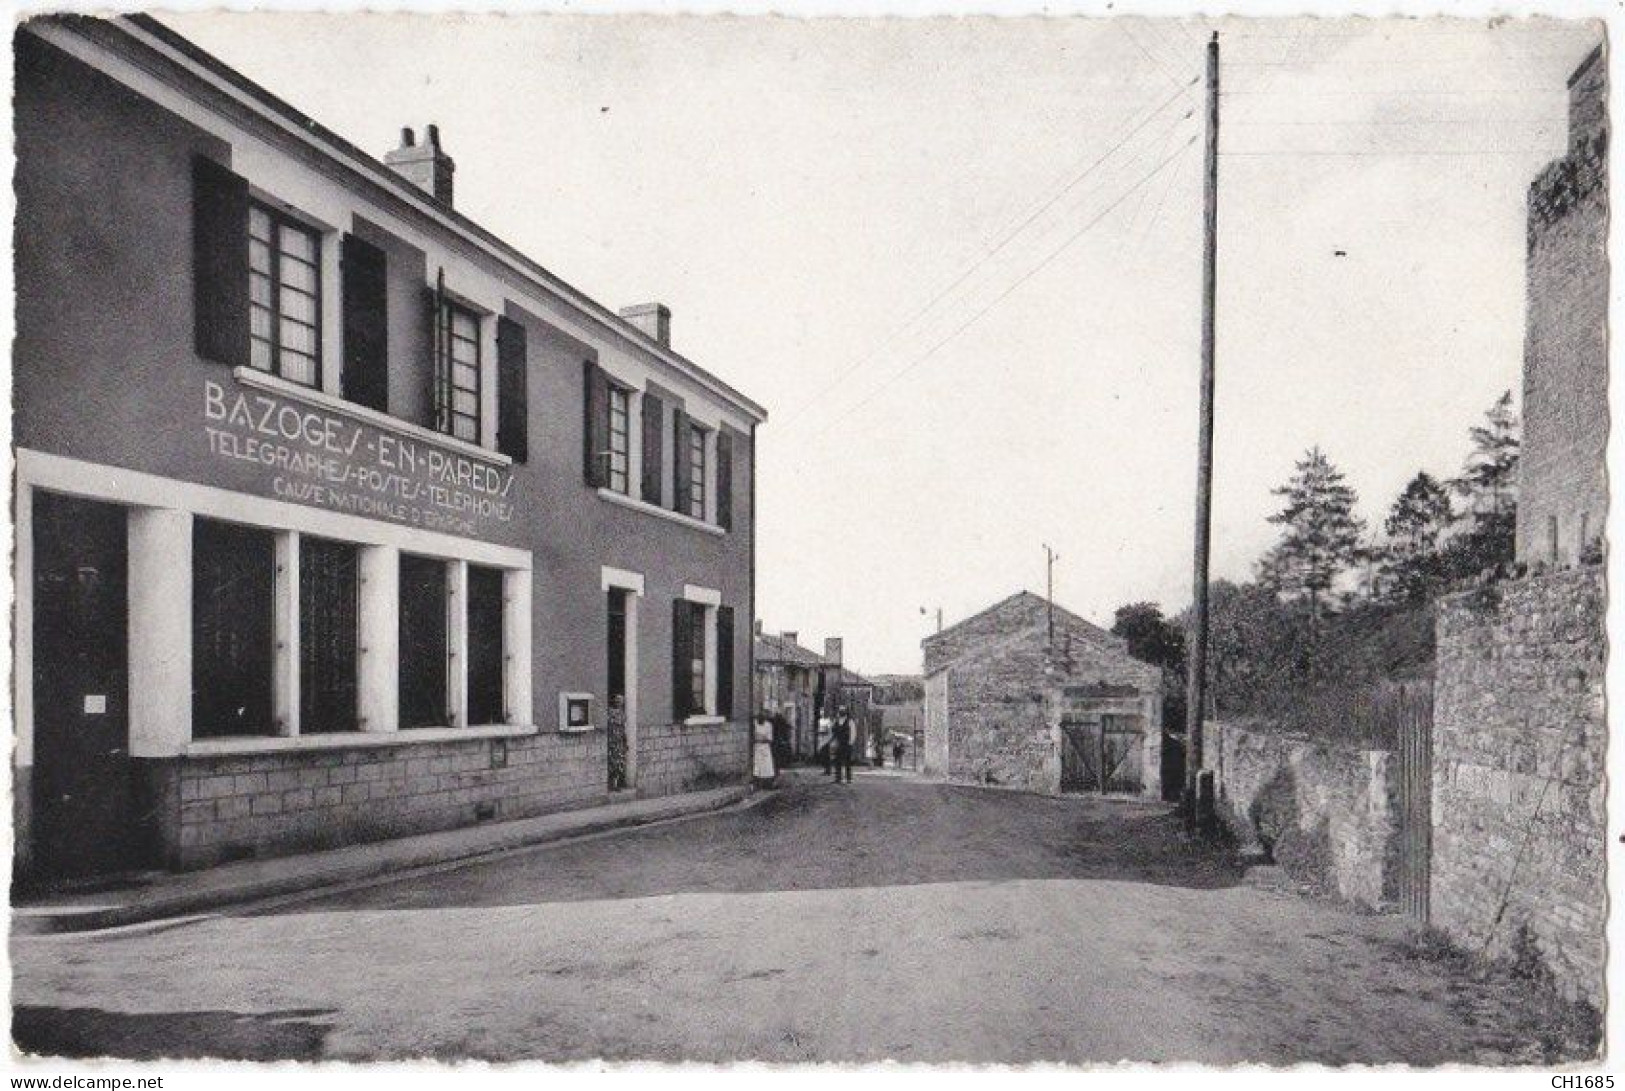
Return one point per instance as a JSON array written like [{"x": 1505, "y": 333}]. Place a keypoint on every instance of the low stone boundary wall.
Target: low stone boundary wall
[
  {"x": 214, "y": 809},
  {"x": 1325, "y": 812},
  {"x": 1519, "y": 741}
]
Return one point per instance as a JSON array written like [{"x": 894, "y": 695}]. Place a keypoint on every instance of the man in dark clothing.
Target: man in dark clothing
[{"x": 843, "y": 746}]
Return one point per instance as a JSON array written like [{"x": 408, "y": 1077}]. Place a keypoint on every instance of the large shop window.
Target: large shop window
[
  {"x": 485, "y": 647},
  {"x": 233, "y": 595},
  {"x": 284, "y": 296},
  {"x": 328, "y": 636},
  {"x": 423, "y": 643}
]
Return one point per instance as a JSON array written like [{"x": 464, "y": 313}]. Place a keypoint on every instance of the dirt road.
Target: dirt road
[{"x": 889, "y": 919}]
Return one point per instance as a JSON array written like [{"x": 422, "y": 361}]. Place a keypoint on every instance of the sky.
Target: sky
[{"x": 959, "y": 261}]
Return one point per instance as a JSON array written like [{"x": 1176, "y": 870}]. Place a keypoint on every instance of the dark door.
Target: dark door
[
  {"x": 329, "y": 636},
  {"x": 485, "y": 666},
  {"x": 615, "y": 692},
  {"x": 82, "y": 786},
  {"x": 1121, "y": 743},
  {"x": 423, "y": 642},
  {"x": 1080, "y": 757}
]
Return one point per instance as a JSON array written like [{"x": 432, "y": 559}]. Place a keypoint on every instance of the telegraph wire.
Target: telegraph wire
[
  {"x": 1008, "y": 236},
  {"x": 1002, "y": 296},
  {"x": 1124, "y": 27}
]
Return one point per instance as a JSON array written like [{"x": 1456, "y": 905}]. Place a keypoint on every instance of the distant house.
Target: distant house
[
  {"x": 1563, "y": 486},
  {"x": 1007, "y": 702},
  {"x": 790, "y": 682},
  {"x": 800, "y": 686}
]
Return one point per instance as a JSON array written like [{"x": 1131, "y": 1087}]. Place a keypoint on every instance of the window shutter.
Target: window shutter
[
  {"x": 679, "y": 461},
  {"x": 513, "y": 394},
  {"x": 682, "y": 656},
  {"x": 725, "y": 479},
  {"x": 595, "y": 403},
  {"x": 366, "y": 323},
  {"x": 725, "y": 662},
  {"x": 220, "y": 263},
  {"x": 439, "y": 396},
  {"x": 653, "y": 432}
]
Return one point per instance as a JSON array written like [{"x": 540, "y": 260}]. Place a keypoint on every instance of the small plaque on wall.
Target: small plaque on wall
[{"x": 575, "y": 712}]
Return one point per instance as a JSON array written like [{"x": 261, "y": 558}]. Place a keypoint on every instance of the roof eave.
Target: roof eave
[{"x": 150, "y": 34}]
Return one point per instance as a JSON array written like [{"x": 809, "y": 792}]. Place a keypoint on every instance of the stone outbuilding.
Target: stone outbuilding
[{"x": 1029, "y": 695}]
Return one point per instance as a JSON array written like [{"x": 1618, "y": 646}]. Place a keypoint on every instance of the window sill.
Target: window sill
[
  {"x": 321, "y": 399},
  {"x": 704, "y": 721},
  {"x": 351, "y": 740},
  {"x": 649, "y": 509}
]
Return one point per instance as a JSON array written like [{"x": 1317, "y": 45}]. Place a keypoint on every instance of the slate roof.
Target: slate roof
[{"x": 775, "y": 649}]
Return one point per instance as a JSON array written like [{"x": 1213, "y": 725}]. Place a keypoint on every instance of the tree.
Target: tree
[
  {"x": 1151, "y": 637},
  {"x": 1489, "y": 486},
  {"x": 1321, "y": 535},
  {"x": 1411, "y": 567},
  {"x": 1489, "y": 480}
]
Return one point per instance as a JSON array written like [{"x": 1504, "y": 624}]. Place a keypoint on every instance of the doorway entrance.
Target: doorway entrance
[
  {"x": 615, "y": 718},
  {"x": 1101, "y": 754},
  {"x": 83, "y": 790}
]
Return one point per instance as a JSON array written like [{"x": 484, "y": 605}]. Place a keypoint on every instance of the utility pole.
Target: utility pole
[
  {"x": 1050, "y": 557},
  {"x": 1196, "y": 667}
]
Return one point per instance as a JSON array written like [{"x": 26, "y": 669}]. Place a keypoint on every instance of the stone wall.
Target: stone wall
[
  {"x": 676, "y": 758},
  {"x": 1563, "y": 481},
  {"x": 998, "y": 728},
  {"x": 1519, "y": 737},
  {"x": 1325, "y": 812},
  {"x": 271, "y": 804},
  {"x": 1003, "y": 702}
]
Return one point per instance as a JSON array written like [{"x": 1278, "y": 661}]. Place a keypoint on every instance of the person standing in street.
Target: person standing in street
[{"x": 842, "y": 746}]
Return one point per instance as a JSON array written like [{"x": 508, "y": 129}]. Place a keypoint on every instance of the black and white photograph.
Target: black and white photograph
[{"x": 885, "y": 541}]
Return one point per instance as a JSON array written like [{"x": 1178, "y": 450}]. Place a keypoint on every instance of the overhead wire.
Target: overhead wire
[
  {"x": 1002, "y": 296},
  {"x": 1008, "y": 236}
]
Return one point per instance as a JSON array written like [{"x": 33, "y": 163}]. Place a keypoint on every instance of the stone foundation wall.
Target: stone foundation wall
[
  {"x": 1326, "y": 813},
  {"x": 272, "y": 804},
  {"x": 1520, "y": 737},
  {"x": 675, "y": 758}
]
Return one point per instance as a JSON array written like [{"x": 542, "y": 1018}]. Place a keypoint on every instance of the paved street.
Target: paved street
[{"x": 889, "y": 919}]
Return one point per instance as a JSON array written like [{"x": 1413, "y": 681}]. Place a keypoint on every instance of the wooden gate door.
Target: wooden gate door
[
  {"x": 1121, "y": 741},
  {"x": 1411, "y": 707},
  {"x": 1080, "y": 757}
]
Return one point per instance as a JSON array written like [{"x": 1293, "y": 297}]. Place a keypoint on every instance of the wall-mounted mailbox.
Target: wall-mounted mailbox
[{"x": 575, "y": 712}]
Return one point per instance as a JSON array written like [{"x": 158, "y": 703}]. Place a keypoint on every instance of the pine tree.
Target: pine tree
[
  {"x": 1411, "y": 566},
  {"x": 1321, "y": 535},
  {"x": 1489, "y": 487},
  {"x": 1489, "y": 480}
]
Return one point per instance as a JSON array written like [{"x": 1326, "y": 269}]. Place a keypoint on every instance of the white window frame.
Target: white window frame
[
  {"x": 160, "y": 556},
  {"x": 710, "y": 599}
]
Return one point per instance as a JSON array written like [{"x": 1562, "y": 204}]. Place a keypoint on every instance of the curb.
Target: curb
[{"x": 47, "y": 921}]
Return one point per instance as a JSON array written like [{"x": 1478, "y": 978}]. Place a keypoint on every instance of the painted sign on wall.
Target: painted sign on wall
[{"x": 310, "y": 455}]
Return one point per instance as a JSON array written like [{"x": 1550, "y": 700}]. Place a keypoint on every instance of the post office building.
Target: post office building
[{"x": 337, "y": 518}]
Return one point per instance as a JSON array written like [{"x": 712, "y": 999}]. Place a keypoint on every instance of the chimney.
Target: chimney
[
  {"x": 654, "y": 319},
  {"x": 424, "y": 165},
  {"x": 758, "y": 626},
  {"x": 832, "y": 649},
  {"x": 789, "y": 636}
]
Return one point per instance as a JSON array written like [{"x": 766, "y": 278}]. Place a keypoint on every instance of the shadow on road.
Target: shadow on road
[
  {"x": 880, "y": 832},
  {"x": 232, "y": 1036}
]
